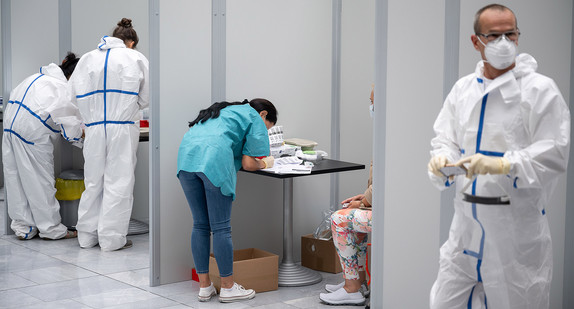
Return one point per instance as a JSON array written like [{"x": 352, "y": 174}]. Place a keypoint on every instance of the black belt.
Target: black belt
[{"x": 499, "y": 200}]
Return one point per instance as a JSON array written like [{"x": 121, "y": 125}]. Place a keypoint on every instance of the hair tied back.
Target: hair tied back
[{"x": 125, "y": 22}]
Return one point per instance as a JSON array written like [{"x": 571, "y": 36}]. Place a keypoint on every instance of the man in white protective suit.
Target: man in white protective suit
[
  {"x": 510, "y": 128},
  {"x": 37, "y": 112},
  {"x": 110, "y": 86}
]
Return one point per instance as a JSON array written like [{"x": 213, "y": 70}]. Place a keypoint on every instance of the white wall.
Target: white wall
[
  {"x": 34, "y": 40},
  {"x": 91, "y": 20},
  {"x": 546, "y": 34},
  {"x": 413, "y": 99},
  {"x": 34, "y": 37},
  {"x": 185, "y": 82}
]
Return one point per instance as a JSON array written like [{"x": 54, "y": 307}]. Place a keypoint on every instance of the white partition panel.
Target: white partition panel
[
  {"x": 546, "y": 29},
  {"x": 1, "y": 95},
  {"x": 357, "y": 76},
  {"x": 91, "y": 20},
  {"x": 1, "y": 72},
  {"x": 185, "y": 83},
  {"x": 281, "y": 51},
  {"x": 415, "y": 51}
]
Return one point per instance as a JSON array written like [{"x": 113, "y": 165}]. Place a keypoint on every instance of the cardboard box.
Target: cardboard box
[
  {"x": 252, "y": 268},
  {"x": 319, "y": 254}
]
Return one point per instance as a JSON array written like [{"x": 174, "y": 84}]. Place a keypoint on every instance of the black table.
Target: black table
[{"x": 291, "y": 274}]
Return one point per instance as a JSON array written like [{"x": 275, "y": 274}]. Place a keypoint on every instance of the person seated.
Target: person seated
[{"x": 350, "y": 227}]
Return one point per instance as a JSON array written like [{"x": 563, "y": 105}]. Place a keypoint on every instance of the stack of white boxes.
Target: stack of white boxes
[{"x": 278, "y": 147}]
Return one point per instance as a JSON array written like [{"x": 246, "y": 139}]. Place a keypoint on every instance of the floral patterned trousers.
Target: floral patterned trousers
[{"x": 350, "y": 228}]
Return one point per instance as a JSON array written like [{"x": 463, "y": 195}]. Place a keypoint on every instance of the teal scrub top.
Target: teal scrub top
[{"x": 216, "y": 147}]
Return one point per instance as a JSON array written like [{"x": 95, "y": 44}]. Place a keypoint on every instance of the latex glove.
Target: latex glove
[
  {"x": 269, "y": 161},
  {"x": 436, "y": 163},
  {"x": 481, "y": 164}
]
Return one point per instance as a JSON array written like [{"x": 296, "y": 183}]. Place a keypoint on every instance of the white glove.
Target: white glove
[
  {"x": 436, "y": 163},
  {"x": 268, "y": 161},
  {"x": 481, "y": 164}
]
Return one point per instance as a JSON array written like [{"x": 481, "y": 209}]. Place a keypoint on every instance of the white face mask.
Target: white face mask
[
  {"x": 500, "y": 53},
  {"x": 372, "y": 110}
]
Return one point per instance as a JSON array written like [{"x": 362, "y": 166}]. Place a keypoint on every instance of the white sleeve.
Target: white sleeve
[
  {"x": 444, "y": 143},
  {"x": 548, "y": 124},
  {"x": 143, "y": 96},
  {"x": 65, "y": 114}
]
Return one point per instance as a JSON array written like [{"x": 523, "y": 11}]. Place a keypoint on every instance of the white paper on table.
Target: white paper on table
[{"x": 289, "y": 165}]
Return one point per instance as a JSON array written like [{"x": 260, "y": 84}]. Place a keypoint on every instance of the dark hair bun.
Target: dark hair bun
[
  {"x": 125, "y": 22},
  {"x": 69, "y": 57}
]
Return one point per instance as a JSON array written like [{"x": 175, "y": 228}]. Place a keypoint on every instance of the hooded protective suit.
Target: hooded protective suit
[
  {"x": 501, "y": 255},
  {"x": 38, "y": 110},
  {"x": 110, "y": 85}
]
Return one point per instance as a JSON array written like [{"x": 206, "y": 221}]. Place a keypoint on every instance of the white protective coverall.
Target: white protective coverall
[
  {"x": 38, "y": 110},
  {"x": 110, "y": 85},
  {"x": 501, "y": 254}
]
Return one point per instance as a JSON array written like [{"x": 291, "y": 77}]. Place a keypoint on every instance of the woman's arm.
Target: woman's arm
[{"x": 252, "y": 164}]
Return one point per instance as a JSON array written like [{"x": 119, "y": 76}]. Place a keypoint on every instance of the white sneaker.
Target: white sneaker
[
  {"x": 235, "y": 293},
  {"x": 341, "y": 297},
  {"x": 334, "y": 287},
  {"x": 205, "y": 294}
]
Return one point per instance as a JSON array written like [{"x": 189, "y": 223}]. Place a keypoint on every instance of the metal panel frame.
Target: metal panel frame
[
  {"x": 66, "y": 157},
  {"x": 6, "y": 21},
  {"x": 65, "y": 27},
  {"x": 335, "y": 97},
  {"x": 568, "y": 284},
  {"x": 218, "y": 50},
  {"x": 451, "y": 59},
  {"x": 379, "y": 149},
  {"x": 154, "y": 167}
]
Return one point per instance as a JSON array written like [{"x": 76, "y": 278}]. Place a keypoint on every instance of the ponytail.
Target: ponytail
[
  {"x": 213, "y": 111},
  {"x": 259, "y": 105}
]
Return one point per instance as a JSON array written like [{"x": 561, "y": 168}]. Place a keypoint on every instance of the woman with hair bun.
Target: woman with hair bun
[
  {"x": 110, "y": 86},
  {"x": 38, "y": 110}
]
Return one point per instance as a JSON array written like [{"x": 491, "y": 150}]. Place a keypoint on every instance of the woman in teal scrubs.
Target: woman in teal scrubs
[{"x": 222, "y": 139}]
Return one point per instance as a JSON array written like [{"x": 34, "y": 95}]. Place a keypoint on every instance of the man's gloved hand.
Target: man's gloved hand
[
  {"x": 269, "y": 161},
  {"x": 436, "y": 163},
  {"x": 481, "y": 164}
]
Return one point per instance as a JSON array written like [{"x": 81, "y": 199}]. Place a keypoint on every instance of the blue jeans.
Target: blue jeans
[{"x": 211, "y": 212}]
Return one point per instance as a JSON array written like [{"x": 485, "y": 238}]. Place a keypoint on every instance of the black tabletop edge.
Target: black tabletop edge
[{"x": 324, "y": 166}]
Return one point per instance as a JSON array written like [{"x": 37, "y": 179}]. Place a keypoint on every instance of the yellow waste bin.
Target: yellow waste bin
[{"x": 69, "y": 188}]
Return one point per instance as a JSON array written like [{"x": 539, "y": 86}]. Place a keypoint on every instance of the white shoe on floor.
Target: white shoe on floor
[
  {"x": 342, "y": 297},
  {"x": 334, "y": 287},
  {"x": 235, "y": 293},
  {"x": 205, "y": 294}
]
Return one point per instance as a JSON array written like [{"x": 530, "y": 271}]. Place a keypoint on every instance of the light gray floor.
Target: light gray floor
[{"x": 59, "y": 274}]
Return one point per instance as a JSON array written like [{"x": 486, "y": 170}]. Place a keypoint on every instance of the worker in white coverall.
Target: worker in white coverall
[
  {"x": 110, "y": 86},
  {"x": 37, "y": 112},
  {"x": 510, "y": 127}
]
